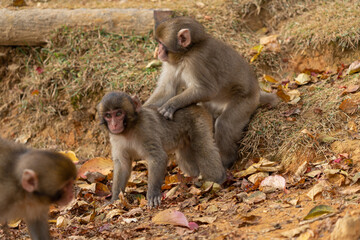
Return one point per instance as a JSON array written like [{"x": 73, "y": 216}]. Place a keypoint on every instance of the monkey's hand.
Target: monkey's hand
[
  {"x": 154, "y": 199},
  {"x": 167, "y": 110}
]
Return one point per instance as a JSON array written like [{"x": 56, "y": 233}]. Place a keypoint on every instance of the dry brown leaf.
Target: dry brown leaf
[
  {"x": 282, "y": 94},
  {"x": 269, "y": 78},
  {"x": 71, "y": 155},
  {"x": 98, "y": 164},
  {"x": 348, "y": 106},
  {"x": 207, "y": 220},
  {"x": 350, "y": 89},
  {"x": 296, "y": 231}
]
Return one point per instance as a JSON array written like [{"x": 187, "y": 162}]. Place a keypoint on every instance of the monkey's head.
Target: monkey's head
[
  {"x": 47, "y": 176},
  {"x": 176, "y": 36},
  {"x": 118, "y": 111}
]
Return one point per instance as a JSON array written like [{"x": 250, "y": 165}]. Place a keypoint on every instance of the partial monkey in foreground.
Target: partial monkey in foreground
[
  {"x": 141, "y": 132},
  {"x": 31, "y": 180},
  {"x": 214, "y": 74}
]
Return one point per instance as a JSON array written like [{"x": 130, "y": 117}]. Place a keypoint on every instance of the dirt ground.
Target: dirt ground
[{"x": 309, "y": 144}]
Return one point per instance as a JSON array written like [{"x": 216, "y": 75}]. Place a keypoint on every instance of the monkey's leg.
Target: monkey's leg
[
  {"x": 39, "y": 228},
  {"x": 157, "y": 166},
  {"x": 229, "y": 128},
  {"x": 122, "y": 171},
  {"x": 206, "y": 155},
  {"x": 185, "y": 160}
]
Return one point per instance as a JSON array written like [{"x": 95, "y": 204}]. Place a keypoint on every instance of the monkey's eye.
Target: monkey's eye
[
  {"x": 107, "y": 115},
  {"x": 119, "y": 113}
]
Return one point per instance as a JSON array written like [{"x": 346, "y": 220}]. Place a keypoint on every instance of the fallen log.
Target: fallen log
[{"x": 33, "y": 27}]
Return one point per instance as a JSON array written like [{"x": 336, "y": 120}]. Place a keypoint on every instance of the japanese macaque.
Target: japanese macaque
[
  {"x": 31, "y": 180},
  {"x": 141, "y": 132},
  {"x": 214, "y": 74}
]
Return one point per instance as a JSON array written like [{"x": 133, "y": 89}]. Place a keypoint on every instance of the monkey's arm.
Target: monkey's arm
[
  {"x": 167, "y": 87},
  {"x": 122, "y": 170},
  {"x": 187, "y": 97},
  {"x": 38, "y": 228}
]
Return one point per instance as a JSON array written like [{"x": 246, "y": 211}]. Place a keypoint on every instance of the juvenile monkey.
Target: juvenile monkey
[
  {"x": 31, "y": 180},
  {"x": 213, "y": 73},
  {"x": 141, "y": 132}
]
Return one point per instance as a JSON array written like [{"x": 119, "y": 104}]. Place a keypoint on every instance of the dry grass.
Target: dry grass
[
  {"x": 329, "y": 22},
  {"x": 271, "y": 135}
]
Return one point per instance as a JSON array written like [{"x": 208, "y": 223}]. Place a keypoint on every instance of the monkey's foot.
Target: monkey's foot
[
  {"x": 167, "y": 111},
  {"x": 154, "y": 201}
]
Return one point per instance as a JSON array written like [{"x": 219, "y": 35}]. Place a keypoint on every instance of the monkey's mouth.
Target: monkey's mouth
[{"x": 120, "y": 128}]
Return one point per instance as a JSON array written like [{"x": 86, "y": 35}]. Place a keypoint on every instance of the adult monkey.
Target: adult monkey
[
  {"x": 30, "y": 180},
  {"x": 213, "y": 73}
]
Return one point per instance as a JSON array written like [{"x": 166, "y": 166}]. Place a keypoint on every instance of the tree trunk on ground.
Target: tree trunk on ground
[{"x": 33, "y": 26}]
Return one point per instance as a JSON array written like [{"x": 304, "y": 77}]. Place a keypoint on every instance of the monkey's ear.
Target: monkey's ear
[
  {"x": 137, "y": 103},
  {"x": 29, "y": 180},
  {"x": 184, "y": 37}
]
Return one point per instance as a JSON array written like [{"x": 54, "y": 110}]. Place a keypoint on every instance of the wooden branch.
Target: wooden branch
[{"x": 33, "y": 26}]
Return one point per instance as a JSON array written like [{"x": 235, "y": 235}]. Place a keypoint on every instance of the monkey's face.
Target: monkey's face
[
  {"x": 115, "y": 120},
  {"x": 162, "y": 52}
]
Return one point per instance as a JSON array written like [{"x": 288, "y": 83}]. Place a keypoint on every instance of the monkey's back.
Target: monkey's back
[{"x": 177, "y": 132}]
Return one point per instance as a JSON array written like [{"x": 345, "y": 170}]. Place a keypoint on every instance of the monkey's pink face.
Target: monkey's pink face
[
  {"x": 162, "y": 52},
  {"x": 115, "y": 121},
  {"x": 67, "y": 193}
]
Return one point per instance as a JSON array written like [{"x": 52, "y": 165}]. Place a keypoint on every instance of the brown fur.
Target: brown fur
[
  {"x": 53, "y": 172},
  {"x": 214, "y": 74},
  {"x": 151, "y": 137}
]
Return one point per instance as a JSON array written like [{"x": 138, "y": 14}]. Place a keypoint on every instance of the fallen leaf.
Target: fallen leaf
[
  {"x": 301, "y": 170},
  {"x": 248, "y": 220},
  {"x": 14, "y": 223},
  {"x": 102, "y": 190},
  {"x": 98, "y": 164},
  {"x": 318, "y": 211},
  {"x": 260, "y": 175},
  {"x": 71, "y": 155},
  {"x": 129, "y": 220},
  {"x": 134, "y": 212},
  {"x": 258, "y": 50},
  {"x": 350, "y": 89},
  {"x": 296, "y": 231},
  {"x": 314, "y": 173},
  {"x": 265, "y": 86},
  {"x": 268, "y": 39},
  {"x": 302, "y": 79},
  {"x": 61, "y": 221},
  {"x": 39, "y": 70},
  {"x": 207, "y": 220},
  {"x": 113, "y": 213},
  {"x": 324, "y": 138},
  {"x": 354, "y": 67},
  {"x": 269, "y": 78},
  {"x": 35, "y": 92},
  {"x": 255, "y": 197},
  {"x": 348, "y": 106},
  {"x": 200, "y": 4},
  {"x": 282, "y": 94},
  {"x": 276, "y": 181},
  {"x": 356, "y": 177},
  {"x": 350, "y": 190},
  {"x": 171, "y": 216},
  {"x": 318, "y": 188},
  {"x": 154, "y": 64}
]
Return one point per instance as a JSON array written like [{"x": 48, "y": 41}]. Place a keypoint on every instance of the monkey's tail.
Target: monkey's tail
[{"x": 268, "y": 98}]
